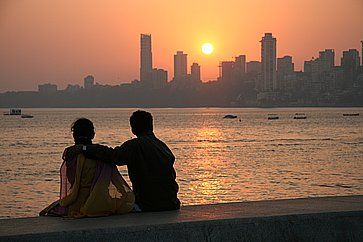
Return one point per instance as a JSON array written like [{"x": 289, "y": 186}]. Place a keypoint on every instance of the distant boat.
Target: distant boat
[
  {"x": 27, "y": 116},
  {"x": 230, "y": 116},
  {"x": 300, "y": 116},
  {"x": 14, "y": 111},
  {"x": 272, "y": 116},
  {"x": 350, "y": 114}
]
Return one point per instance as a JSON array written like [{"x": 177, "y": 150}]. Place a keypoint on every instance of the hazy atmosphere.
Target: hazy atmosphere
[
  {"x": 63, "y": 41},
  {"x": 192, "y": 120}
]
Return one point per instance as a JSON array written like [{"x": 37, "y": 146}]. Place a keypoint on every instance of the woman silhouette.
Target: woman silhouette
[{"x": 89, "y": 187}]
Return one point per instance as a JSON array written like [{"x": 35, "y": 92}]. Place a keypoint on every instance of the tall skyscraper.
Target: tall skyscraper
[
  {"x": 350, "y": 65},
  {"x": 195, "y": 72},
  {"x": 326, "y": 59},
  {"x": 285, "y": 67},
  {"x": 240, "y": 66},
  {"x": 146, "y": 62},
  {"x": 226, "y": 71},
  {"x": 313, "y": 70},
  {"x": 89, "y": 82},
  {"x": 268, "y": 59},
  {"x": 180, "y": 66}
]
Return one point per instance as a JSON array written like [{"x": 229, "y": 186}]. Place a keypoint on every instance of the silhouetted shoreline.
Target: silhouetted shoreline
[{"x": 129, "y": 97}]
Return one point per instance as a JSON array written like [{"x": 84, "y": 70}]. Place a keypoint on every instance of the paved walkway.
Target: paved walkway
[{"x": 194, "y": 218}]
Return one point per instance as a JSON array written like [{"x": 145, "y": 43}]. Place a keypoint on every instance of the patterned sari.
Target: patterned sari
[{"x": 90, "y": 188}]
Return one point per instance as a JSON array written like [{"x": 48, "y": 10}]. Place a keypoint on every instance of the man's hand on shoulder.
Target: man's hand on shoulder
[
  {"x": 96, "y": 152},
  {"x": 100, "y": 152},
  {"x": 72, "y": 151}
]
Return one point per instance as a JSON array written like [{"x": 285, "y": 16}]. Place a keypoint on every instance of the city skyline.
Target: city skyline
[
  {"x": 266, "y": 83},
  {"x": 272, "y": 69},
  {"x": 269, "y": 65},
  {"x": 34, "y": 52}
]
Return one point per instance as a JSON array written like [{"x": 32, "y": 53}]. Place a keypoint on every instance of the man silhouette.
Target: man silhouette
[{"x": 149, "y": 163}]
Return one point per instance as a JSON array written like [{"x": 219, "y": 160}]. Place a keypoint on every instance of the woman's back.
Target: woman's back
[
  {"x": 98, "y": 189},
  {"x": 89, "y": 187},
  {"x": 87, "y": 177}
]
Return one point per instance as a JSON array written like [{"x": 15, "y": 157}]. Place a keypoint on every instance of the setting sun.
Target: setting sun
[{"x": 207, "y": 48}]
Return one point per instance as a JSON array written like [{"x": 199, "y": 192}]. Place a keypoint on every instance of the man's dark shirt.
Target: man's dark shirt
[{"x": 150, "y": 166}]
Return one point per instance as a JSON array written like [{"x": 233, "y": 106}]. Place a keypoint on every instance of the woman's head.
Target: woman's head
[{"x": 83, "y": 131}]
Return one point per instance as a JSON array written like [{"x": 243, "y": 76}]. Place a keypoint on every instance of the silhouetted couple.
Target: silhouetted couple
[{"x": 91, "y": 185}]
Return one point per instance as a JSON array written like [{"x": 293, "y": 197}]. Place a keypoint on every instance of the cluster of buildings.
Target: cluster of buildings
[
  {"x": 88, "y": 84},
  {"x": 275, "y": 78},
  {"x": 271, "y": 79},
  {"x": 158, "y": 78}
]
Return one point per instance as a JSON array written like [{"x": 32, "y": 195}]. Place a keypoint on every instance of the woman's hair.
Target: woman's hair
[{"x": 83, "y": 131}]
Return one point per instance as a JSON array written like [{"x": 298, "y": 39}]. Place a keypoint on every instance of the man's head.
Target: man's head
[
  {"x": 83, "y": 131},
  {"x": 141, "y": 122}
]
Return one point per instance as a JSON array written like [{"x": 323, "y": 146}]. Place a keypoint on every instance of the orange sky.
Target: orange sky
[{"x": 62, "y": 41}]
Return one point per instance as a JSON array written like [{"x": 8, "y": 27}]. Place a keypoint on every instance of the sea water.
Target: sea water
[{"x": 217, "y": 160}]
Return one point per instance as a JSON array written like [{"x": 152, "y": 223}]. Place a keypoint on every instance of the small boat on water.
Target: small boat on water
[
  {"x": 300, "y": 116},
  {"x": 272, "y": 116},
  {"x": 14, "y": 111},
  {"x": 230, "y": 116},
  {"x": 27, "y": 116},
  {"x": 350, "y": 114}
]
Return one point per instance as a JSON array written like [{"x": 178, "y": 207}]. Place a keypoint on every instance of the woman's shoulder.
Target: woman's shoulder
[{"x": 70, "y": 152}]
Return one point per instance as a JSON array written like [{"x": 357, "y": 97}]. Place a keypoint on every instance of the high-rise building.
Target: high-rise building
[
  {"x": 146, "y": 63},
  {"x": 253, "y": 67},
  {"x": 159, "y": 78},
  {"x": 285, "y": 65},
  {"x": 318, "y": 72},
  {"x": 285, "y": 68},
  {"x": 180, "y": 66},
  {"x": 307, "y": 66},
  {"x": 47, "y": 88},
  {"x": 72, "y": 88},
  {"x": 326, "y": 59},
  {"x": 226, "y": 71},
  {"x": 89, "y": 82},
  {"x": 268, "y": 59},
  {"x": 350, "y": 65},
  {"x": 195, "y": 72},
  {"x": 312, "y": 70},
  {"x": 240, "y": 66}
]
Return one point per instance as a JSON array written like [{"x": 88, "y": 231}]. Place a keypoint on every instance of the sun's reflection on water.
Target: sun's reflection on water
[{"x": 217, "y": 160}]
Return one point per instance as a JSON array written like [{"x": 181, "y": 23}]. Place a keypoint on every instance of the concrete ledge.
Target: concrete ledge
[{"x": 310, "y": 219}]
